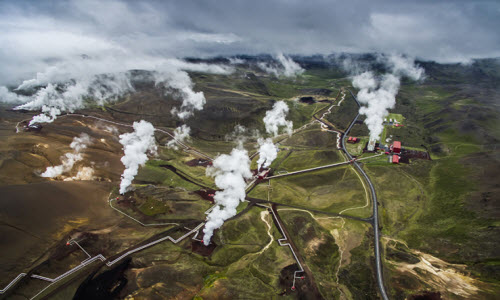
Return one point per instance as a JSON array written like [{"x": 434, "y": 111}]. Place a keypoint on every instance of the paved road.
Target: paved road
[
  {"x": 320, "y": 167},
  {"x": 376, "y": 230},
  {"x": 308, "y": 170}
]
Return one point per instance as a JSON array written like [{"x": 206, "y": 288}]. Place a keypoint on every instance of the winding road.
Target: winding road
[{"x": 374, "y": 218}]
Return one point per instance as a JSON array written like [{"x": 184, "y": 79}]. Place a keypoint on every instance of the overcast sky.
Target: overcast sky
[{"x": 36, "y": 33}]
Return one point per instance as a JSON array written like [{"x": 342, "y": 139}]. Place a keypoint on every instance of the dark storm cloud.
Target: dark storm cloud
[{"x": 36, "y": 33}]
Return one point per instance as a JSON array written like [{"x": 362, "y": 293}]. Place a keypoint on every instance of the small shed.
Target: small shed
[{"x": 395, "y": 159}]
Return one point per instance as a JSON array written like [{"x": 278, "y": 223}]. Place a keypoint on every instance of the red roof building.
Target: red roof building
[
  {"x": 263, "y": 174},
  {"x": 395, "y": 159},
  {"x": 396, "y": 147},
  {"x": 352, "y": 140}
]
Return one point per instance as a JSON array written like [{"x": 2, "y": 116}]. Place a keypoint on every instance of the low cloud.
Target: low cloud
[
  {"x": 72, "y": 84},
  {"x": 36, "y": 34},
  {"x": 54, "y": 99},
  {"x": 9, "y": 97},
  {"x": 285, "y": 66}
]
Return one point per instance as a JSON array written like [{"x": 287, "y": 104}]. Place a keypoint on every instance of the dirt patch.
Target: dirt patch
[
  {"x": 407, "y": 154},
  {"x": 440, "y": 275},
  {"x": 206, "y": 194},
  {"x": 106, "y": 285},
  {"x": 307, "y": 100},
  {"x": 199, "y": 162},
  {"x": 35, "y": 216},
  {"x": 426, "y": 296},
  {"x": 321, "y": 92},
  {"x": 314, "y": 244},
  {"x": 302, "y": 290},
  {"x": 199, "y": 248}
]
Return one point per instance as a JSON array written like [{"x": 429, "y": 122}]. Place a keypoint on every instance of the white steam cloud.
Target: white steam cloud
[
  {"x": 181, "y": 134},
  {"x": 230, "y": 172},
  {"x": 267, "y": 153},
  {"x": 54, "y": 99},
  {"x": 136, "y": 145},
  {"x": 69, "y": 159},
  {"x": 172, "y": 74},
  {"x": 236, "y": 61},
  {"x": 290, "y": 68},
  {"x": 72, "y": 83},
  {"x": 276, "y": 118},
  {"x": 7, "y": 96},
  {"x": 85, "y": 173},
  {"x": 273, "y": 119},
  {"x": 181, "y": 83},
  {"x": 287, "y": 67},
  {"x": 378, "y": 94}
]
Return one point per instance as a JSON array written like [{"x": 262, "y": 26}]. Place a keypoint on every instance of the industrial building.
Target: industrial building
[
  {"x": 263, "y": 174},
  {"x": 396, "y": 147}
]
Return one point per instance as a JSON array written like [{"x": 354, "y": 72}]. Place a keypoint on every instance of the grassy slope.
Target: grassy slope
[
  {"x": 317, "y": 247},
  {"x": 426, "y": 203},
  {"x": 329, "y": 190}
]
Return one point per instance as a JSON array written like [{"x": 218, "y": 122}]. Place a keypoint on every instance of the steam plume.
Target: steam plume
[
  {"x": 230, "y": 172},
  {"x": 53, "y": 99},
  {"x": 181, "y": 133},
  {"x": 85, "y": 173},
  {"x": 172, "y": 74},
  {"x": 379, "y": 94},
  {"x": 181, "y": 83},
  {"x": 276, "y": 117},
  {"x": 267, "y": 153},
  {"x": 72, "y": 84},
  {"x": 290, "y": 68},
  {"x": 273, "y": 119},
  {"x": 69, "y": 159},
  {"x": 136, "y": 144},
  {"x": 287, "y": 67}
]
